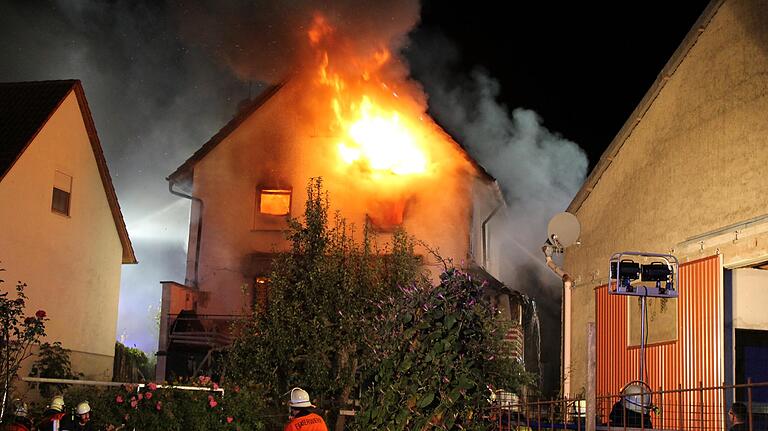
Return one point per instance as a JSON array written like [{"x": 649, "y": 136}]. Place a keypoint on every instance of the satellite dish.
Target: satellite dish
[{"x": 564, "y": 229}]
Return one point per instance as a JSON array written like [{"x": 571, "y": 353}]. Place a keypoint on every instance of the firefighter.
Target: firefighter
[
  {"x": 301, "y": 418},
  {"x": 53, "y": 416},
  {"x": 82, "y": 420},
  {"x": 19, "y": 421}
]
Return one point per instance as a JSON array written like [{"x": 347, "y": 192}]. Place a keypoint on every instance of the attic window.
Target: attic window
[
  {"x": 275, "y": 202},
  {"x": 62, "y": 190}
]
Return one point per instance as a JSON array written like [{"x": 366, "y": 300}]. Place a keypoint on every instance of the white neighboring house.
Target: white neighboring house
[{"x": 61, "y": 229}]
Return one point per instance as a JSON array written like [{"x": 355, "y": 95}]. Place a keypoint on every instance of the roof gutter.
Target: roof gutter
[{"x": 198, "y": 238}]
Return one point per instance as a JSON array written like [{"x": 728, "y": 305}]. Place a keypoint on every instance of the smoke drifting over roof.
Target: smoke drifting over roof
[
  {"x": 266, "y": 40},
  {"x": 539, "y": 172},
  {"x": 162, "y": 78}
]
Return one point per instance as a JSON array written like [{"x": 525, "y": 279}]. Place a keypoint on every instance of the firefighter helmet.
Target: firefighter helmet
[
  {"x": 300, "y": 398},
  {"x": 57, "y": 403},
  {"x": 20, "y": 408},
  {"x": 83, "y": 408}
]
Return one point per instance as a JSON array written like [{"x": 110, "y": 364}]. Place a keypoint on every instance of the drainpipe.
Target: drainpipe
[
  {"x": 199, "y": 226},
  {"x": 567, "y": 284},
  {"x": 485, "y": 241}
]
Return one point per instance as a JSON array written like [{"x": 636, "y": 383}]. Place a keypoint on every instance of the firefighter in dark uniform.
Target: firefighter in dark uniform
[{"x": 53, "y": 416}]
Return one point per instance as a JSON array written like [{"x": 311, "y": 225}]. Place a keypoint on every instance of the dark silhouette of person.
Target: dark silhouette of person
[{"x": 737, "y": 414}]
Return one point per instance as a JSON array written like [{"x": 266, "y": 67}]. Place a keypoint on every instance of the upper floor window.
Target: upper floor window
[
  {"x": 273, "y": 201},
  {"x": 62, "y": 192}
]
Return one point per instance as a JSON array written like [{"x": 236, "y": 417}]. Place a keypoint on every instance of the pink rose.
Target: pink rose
[
  {"x": 159, "y": 405},
  {"x": 134, "y": 403},
  {"x": 148, "y": 395},
  {"x": 152, "y": 386},
  {"x": 215, "y": 385},
  {"x": 40, "y": 314},
  {"x": 141, "y": 397},
  {"x": 213, "y": 403},
  {"x": 119, "y": 399},
  {"x": 230, "y": 419}
]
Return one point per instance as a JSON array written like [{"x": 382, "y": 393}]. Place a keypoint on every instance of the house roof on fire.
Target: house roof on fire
[
  {"x": 25, "y": 108},
  {"x": 252, "y": 106}
]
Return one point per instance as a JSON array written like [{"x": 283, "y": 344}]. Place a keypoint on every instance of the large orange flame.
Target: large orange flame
[{"x": 374, "y": 134}]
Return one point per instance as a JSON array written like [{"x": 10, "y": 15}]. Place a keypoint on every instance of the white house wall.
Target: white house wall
[{"x": 71, "y": 264}]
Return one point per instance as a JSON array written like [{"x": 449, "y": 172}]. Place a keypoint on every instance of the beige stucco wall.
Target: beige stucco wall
[
  {"x": 70, "y": 264},
  {"x": 276, "y": 147},
  {"x": 696, "y": 162}
]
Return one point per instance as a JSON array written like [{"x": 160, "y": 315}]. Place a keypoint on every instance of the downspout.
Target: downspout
[
  {"x": 199, "y": 226},
  {"x": 484, "y": 233},
  {"x": 567, "y": 284}
]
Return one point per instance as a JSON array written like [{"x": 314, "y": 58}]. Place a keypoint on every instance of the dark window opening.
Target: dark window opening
[{"x": 60, "y": 203}]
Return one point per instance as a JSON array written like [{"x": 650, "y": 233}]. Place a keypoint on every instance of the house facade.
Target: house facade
[
  {"x": 61, "y": 229},
  {"x": 686, "y": 175},
  {"x": 252, "y": 175}
]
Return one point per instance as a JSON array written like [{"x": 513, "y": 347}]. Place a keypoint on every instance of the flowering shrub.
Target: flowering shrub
[
  {"x": 18, "y": 333},
  {"x": 155, "y": 408}
]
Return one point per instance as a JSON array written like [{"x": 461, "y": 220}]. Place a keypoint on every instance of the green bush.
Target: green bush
[
  {"x": 322, "y": 292},
  {"x": 53, "y": 363},
  {"x": 441, "y": 353}
]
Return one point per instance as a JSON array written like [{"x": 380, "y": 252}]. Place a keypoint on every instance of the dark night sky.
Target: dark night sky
[
  {"x": 582, "y": 66},
  {"x": 157, "y": 94}
]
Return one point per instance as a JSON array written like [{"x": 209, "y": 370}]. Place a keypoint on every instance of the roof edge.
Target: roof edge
[
  {"x": 645, "y": 103},
  {"x": 216, "y": 139},
  {"x": 129, "y": 256},
  {"x": 71, "y": 82}
]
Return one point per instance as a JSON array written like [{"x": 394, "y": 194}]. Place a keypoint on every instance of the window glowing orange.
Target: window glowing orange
[{"x": 275, "y": 202}]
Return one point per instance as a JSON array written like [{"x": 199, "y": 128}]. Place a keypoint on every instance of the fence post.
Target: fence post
[
  {"x": 591, "y": 377},
  {"x": 538, "y": 415},
  {"x": 680, "y": 407},
  {"x": 701, "y": 404},
  {"x": 749, "y": 402},
  {"x": 552, "y": 414},
  {"x": 661, "y": 408}
]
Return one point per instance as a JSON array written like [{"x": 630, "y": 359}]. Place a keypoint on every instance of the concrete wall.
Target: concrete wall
[
  {"x": 71, "y": 264},
  {"x": 281, "y": 145},
  {"x": 694, "y": 163}
]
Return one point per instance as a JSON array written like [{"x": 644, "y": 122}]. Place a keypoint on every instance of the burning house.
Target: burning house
[{"x": 359, "y": 124}]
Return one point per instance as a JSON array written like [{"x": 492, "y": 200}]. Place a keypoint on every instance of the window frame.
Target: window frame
[
  {"x": 57, "y": 190},
  {"x": 260, "y": 191}
]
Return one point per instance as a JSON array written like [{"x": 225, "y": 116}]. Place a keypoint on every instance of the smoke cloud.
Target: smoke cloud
[
  {"x": 267, "y": 40},
  {"x": 162, "y": 78},
  {"x": 538, "y": 171},
  {"x": 154, "y": 100}
]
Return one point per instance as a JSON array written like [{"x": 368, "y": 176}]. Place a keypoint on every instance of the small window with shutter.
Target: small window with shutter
[{"x": 62, "y": 193}]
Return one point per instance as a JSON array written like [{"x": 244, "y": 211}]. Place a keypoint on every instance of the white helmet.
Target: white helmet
[
  {"x": 21, "y": 409},
  {"x": 299, "y": 398},
  {"x": 83, "y": 408},
  {"x": 57, "y": 403},
  {"x": 637, "y": 397}
]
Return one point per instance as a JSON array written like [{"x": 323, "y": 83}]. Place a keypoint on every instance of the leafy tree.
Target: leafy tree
[
  {"x": 441, "y": 352},
  {"x": 19, "y": 334},
  {"x": 53, "y": 362},
  {"x": 322, "y": 292}
]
